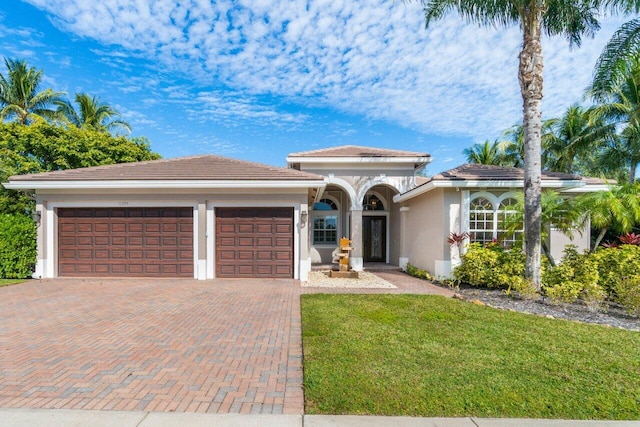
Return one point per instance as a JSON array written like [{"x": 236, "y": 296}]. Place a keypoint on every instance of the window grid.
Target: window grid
[{"x": 488, "y": 224}]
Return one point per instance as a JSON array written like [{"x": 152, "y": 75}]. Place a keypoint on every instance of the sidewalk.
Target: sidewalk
[{"x": 77, "y": 418}]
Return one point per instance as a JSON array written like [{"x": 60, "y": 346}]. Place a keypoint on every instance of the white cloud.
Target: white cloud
[{"x": 360, "y": 57}]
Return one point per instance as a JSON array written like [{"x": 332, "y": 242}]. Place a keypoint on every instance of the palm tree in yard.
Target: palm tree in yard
[
  {"x": 92, "y": 114},
  {"x": 573, "y": 138},
  {"x": 618, "y": 208},
  {"x": 20, "y": 95},
  {"x": 620, "y": 106},
  {"x": 487, "y": 153},
  {"x": 571, "y": 19}
]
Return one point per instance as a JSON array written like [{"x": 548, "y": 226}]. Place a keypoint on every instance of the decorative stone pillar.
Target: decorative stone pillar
[{"x": 356, "y": 260}]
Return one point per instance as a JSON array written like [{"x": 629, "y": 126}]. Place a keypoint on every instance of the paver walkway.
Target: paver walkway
[{"x": 152, "y": 345}]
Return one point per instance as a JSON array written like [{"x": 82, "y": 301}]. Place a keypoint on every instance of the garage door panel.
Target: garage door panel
[
  {"x": 125, "y": 242},
  {"x": 247, "y": 242},
  {"x": 225, "y": 255}
]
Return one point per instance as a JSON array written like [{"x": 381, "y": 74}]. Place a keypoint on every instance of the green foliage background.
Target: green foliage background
[
  {"x": 44, "y": 147},
  {"x": 17, "y": 246}
]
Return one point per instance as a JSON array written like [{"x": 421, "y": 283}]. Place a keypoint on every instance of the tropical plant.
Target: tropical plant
[
  {"x": 487, "y": 153},
  {"x": 572, "y": 139},
  {"x": 618, "y": 208},
  {"x": 567, "y": 18},
  {"x": 565, "y": 214},
  {"x": 20, "y": 95},
  {"x": 620, "y": 106},
  {"x": 91, "y": 114},
  {"x": 43, "y": 147},
  {"x": 616, "y": 57}
]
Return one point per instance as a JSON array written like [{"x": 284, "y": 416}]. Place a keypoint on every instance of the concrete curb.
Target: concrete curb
[{"x": 13, "y": 417}]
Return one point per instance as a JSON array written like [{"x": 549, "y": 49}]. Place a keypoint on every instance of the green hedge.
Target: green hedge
[
  {"x": 607, "y": 273},
  {"x": 17, "y": 246}
]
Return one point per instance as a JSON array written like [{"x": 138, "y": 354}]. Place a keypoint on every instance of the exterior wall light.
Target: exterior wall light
[
  {"x": 304, "y": 215},
  {"x": 37, "y": 217}
]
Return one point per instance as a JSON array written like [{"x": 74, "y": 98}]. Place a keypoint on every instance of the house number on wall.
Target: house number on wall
[{"x": 123, "y": 203}]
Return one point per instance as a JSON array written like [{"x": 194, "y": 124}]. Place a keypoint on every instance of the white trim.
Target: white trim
[
  {"x": 358, "y": 159},
  {"x": 395, "y": 183},
  {"x": 159, "y": 184},
  {"x": 211, "y": 247},
  {"x": 51, "y": 262},
  {"x": 345, "y": 186},
  {"x": 424, "y": 188},
  {"x": 52, "y": 226}
]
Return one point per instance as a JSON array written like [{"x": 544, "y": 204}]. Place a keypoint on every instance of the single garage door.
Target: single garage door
[
  {"x": 254, "y": 242},
  {"x": 125, "y": 242}
]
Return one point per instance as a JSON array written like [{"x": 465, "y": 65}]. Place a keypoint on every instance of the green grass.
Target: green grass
[
  {"x": 434, "y": 356},
  {"x": 7, "y": 282}
]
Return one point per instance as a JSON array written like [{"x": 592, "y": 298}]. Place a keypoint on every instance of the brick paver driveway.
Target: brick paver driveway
[{"x": 152, "y": 345}]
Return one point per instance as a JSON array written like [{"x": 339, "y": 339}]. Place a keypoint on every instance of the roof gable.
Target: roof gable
[{"x": 357, "y": 151}]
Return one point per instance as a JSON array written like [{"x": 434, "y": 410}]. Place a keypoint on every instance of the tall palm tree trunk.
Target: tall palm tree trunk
[{"x": 530, "y": 77}]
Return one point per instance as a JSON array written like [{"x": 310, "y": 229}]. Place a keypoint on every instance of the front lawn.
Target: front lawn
[
  {"x": 7, "y": 282},
  {"x": 434, "y": 356}
]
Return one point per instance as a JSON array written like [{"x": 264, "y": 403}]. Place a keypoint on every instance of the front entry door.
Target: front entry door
[{"x": 375, "y": 238}]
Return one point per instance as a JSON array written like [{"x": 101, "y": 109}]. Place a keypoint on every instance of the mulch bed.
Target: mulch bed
[{"x": 610, "y": 314}]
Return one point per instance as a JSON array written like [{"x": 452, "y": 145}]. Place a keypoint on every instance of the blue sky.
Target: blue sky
[{"x": 258, "y": 79}]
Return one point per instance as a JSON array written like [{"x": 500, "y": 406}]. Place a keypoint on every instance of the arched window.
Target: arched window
[
  {"x": 488, "y": 221},
  {"x": 325, "y": 222},
  {"x": 481, "y": 215},
  {"x": 325, "y": 205},
  {"x": 505, "y": 210},
  {"x": 371, "y": 202}
]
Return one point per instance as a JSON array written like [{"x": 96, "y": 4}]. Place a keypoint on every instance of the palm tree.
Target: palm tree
[
  {"x": 565, "y": 214},
  {"x": 573, "y": 138},
  {"x": 20, "y": 95},
  {"x": 514, "y": 142},
  {"x": 91, "y": 114},
  {"x": 616, "y": 56},
  {"x": 572, "y": 19},
  {"x": 487, "y": 153},
  {"x": 618, "y": 208},
  {"x": 620, "y": 106}
]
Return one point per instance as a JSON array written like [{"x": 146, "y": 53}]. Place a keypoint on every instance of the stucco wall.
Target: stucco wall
[
  {"x": 424, "y": 232},
  {"x": 558, "y": 240}
]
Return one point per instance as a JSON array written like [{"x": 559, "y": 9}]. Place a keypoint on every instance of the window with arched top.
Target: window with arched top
[
  {"x": 481, "y": 216},
  {"x": 489, "y": 221},
  {"x": 371, "y": 202},
  {"x": 325, "y": 205},
  {"x": 506, "y": 209},
  {"x": 325, "y": 222}
]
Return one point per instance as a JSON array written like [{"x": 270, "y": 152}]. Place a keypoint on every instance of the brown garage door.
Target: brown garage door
[
  {"x": 254, "y": 242},
  {"x": 125, "y": 242}
]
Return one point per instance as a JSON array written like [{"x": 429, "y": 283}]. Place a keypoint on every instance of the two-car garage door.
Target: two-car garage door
[
  {"x": 125, "y": 242},
  {"x": 129, "y": 242}
]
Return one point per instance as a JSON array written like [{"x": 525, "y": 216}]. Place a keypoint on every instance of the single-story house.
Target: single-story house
[{"x": 209, "y": 217}]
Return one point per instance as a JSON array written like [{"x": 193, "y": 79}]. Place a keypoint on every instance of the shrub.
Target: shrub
[
  {"x": 619, "y": 271},
  {"x": 628, "y": 293},
  {"x": 414, "y": 271},
  {"x": 17, "y": 246},
  {"x": 478, "y": 265},
  {"x": 490, "y": 266},
  {"x": 577, "y": 276}
]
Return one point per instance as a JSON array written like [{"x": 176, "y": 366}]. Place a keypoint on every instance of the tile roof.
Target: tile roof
[
  {"x": 472, "y": 171},
  {"x": 205, "y": 167},
  {"x": 357, "y": 151}
]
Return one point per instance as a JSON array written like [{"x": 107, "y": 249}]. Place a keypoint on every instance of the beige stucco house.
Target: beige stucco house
[{"x": 211, "y": 217}]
